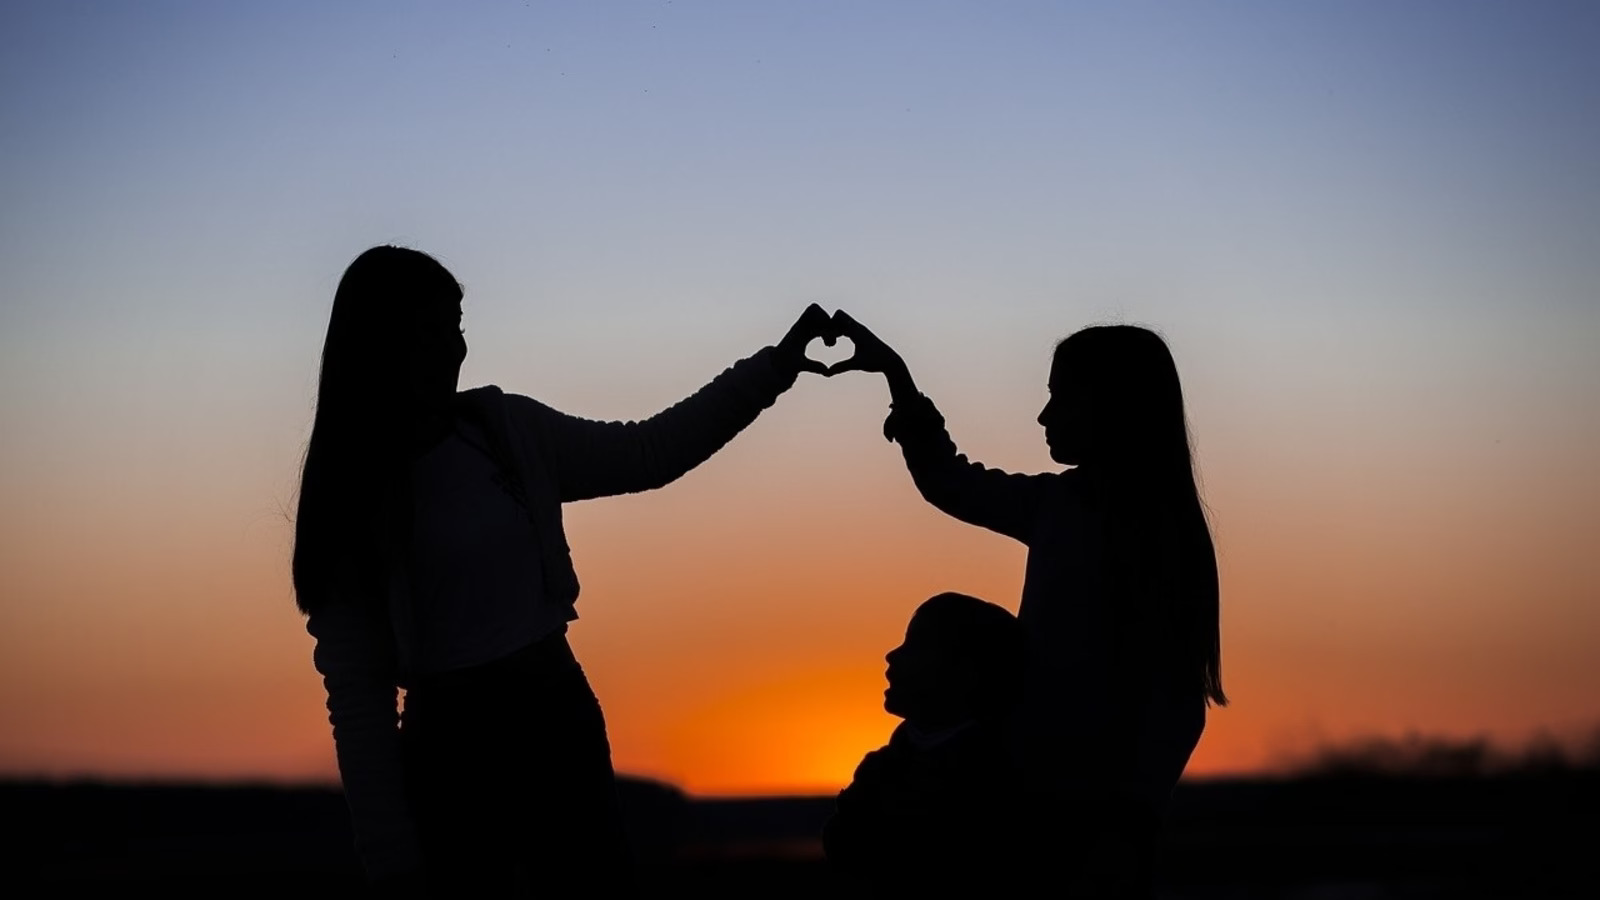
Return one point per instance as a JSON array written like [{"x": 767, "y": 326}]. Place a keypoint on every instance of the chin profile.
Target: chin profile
[{"x": 891, "y": 703}]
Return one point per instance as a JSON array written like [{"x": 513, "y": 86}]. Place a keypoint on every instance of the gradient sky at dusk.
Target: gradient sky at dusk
[{"x": 1370, "y": 232}]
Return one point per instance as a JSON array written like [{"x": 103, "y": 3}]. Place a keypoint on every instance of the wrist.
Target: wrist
[
  {"x": 899, "y": 377},
  {"x": 785, "y": 361}
]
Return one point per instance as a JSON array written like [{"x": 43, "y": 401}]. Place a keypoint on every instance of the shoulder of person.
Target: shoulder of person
[
  {"x": 1074, "y": 495},
  {"x": 886, "y": 760},
  {"x": 483, "y": 398},
  {"x": 874, "y": 764},
  {"x": 487, "y": 404},
  {"x": 1076, "y": 485},
  {"x": 337, "y": 613}
]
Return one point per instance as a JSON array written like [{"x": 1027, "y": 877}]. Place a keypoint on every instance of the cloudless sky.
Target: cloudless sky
[{"x": 1369, "y": 231}]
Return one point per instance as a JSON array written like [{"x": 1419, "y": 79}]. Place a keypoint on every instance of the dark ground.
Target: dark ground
[{"x": 1525, "y": 834}]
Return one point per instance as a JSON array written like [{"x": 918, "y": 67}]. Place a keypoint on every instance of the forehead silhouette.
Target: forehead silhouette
[{"x": 962, "y": 621}]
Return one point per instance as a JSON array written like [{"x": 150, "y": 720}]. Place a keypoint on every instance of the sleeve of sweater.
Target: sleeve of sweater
[
  {"x": 854, "y": 836},
  {"x": 989, "y": 498},
  {"x": 591, "y": 458},
  {"x": 355, "y": 656}
]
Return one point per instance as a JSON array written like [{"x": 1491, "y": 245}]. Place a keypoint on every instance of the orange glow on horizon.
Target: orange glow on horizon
[
  {"x": 802, "y": 734},
  {"x": 734, "y": 624}
]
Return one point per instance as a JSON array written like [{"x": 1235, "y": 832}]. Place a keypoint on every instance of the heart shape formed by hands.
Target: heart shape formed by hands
[{"x": 820, "y": 351}]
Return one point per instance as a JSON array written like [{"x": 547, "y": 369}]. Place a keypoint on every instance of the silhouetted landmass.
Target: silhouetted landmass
[
  {"x": 1468, "y": 836},
  {"x": 1433, "y": 830},
  {"x": 1427, "y": 756},
  {"x": 1414, "y": 816}
]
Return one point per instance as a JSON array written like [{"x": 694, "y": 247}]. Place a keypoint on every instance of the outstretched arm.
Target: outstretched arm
[
  {"x": 989, "y": 498},
  {"x": 591, "y": 458}
]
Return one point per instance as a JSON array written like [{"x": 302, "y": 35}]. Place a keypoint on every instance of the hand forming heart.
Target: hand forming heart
[
  {"x": 866, "y": 352},
  {"x": 830, "y": 353},
  {"x": 813, "y": 323},
  {"x": 871, "y": 354}
]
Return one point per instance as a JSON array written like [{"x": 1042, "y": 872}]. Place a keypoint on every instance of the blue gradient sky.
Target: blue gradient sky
[{"x": 1370, "y": 231}]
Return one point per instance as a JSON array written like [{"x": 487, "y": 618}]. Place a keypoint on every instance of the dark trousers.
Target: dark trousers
[{"x": 509, "y": 778}]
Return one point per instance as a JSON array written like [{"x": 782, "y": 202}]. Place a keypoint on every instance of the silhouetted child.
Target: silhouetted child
[{"x": 935, "y": 811}]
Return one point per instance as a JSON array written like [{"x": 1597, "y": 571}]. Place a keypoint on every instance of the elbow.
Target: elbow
[
  {"x": 937, "y": 493},
  {"x": 659, "y": 461},
  {"x": 362, "y": 707}
]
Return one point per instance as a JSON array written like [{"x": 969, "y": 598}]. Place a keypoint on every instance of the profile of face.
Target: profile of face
[
  {"x": 1065, "y": 416},
  {"x": 436, "y": 348},
  {"x": 1115, "y": 401},
  {"x": 930, "y": 685}
]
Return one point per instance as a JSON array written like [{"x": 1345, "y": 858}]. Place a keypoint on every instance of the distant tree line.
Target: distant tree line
[{"x": 1417, "y": 755}]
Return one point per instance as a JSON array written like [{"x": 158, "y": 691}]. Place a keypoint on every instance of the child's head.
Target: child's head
[{"x": 960, "y": 660}]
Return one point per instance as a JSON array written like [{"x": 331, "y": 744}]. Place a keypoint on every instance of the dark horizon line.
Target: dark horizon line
[{"x": 195, "y": 783}]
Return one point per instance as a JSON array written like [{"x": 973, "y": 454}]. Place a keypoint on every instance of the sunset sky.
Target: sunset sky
[{"x": 1369, "y": 231}]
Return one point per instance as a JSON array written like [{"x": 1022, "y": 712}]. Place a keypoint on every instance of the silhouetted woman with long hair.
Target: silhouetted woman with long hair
[
  {"x": 1119, "y": 606},
  {"x": 430, "y": 556}
]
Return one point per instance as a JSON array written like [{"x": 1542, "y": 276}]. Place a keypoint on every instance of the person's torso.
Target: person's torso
[
  {"x": 474, "y": 576},
  {"x": 1085, "y": 716},
  {"x": 935, "y": 815}
]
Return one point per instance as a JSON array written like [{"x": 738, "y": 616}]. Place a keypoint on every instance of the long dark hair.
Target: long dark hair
[
  {"x": 352, "y": 504},
  {"x": 1139, "y": 459}
]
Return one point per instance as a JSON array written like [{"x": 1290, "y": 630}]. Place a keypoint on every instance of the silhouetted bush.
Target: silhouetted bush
[{"x": 1423, "y": 756}]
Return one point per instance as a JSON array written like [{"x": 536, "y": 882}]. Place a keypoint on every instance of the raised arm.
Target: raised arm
[
  {"x": 591, "y": 458},
  {"x": 1000, "y": 501},
  {"x": 355, "y": 655}
]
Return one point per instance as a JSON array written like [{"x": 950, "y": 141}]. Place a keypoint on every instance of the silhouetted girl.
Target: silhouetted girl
[
  {"x": 429, "y": 555},
  {"x": 1119, "y": 605},
  {"x": 934, "y": 812}
]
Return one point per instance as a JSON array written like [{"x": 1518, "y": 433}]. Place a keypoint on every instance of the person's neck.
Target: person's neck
[
  {"x": 432, "y": 428},
  {"x": 924, "y": 733}
]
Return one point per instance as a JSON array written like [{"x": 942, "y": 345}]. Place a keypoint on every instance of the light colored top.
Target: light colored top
[
  {"x": 367, "y": 649},
  {"x": 476, "y": 587}
]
